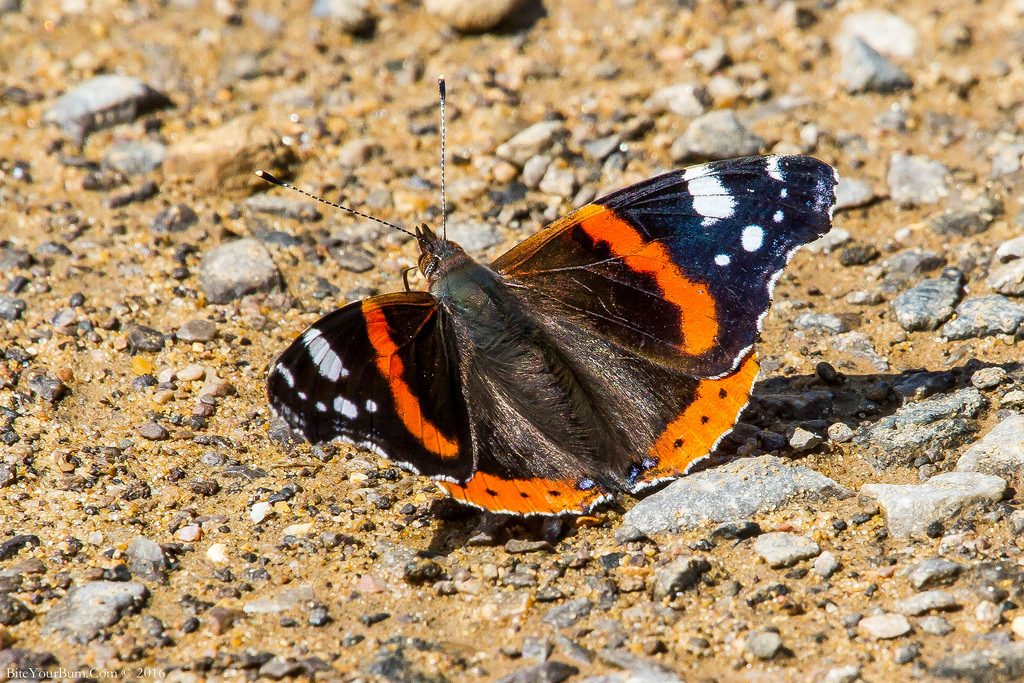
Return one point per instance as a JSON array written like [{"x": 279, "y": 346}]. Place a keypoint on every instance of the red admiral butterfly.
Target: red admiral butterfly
[{"x": 607, "y": 352}]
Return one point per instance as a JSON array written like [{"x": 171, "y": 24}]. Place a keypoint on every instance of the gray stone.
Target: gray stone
[
  {"x": 473, "y": 17},
  {"x": 1003, "y": 662},
  {"x": 551, "y": 671},
  {"x": 927, "y": 601},
  {"x": 1008, "y": 279},
  {"x": 984, "y": 316},
  {"x": 940, "y": 421},
  {"x": 884, "y": 626},
  {"x": 842, "y": 674},
  {"x": 1010, "y": 250},
  {"x": 1000, "y": 452},
  {"x": 988, "y": 378},
  {"x": 764, "y": 645},
  {"x": 285, "y": 207},
  {"x": 558, "y": 180},
  {"x": 145, "y": 558},
  {"x": 534, "y": 170},
  {"x": 103, "y": 101},
  {"x": 676, "y": 577},
  {"x": 716, "y": 135},
  {"x": 351, "y": 16},
  {"x": 911, "y": 263},
  {"x": 858, "y": 345},
  {"x": 840, "y": 432},
  {"x": 86, "y": 610},
  {"x": 864, "y": 69},
  {"x": 282, "y": 602},
  {"x": 820, "y": 322},
  {"x": 930, "y": 303},
  {"x": 1016, "y": 520},
  {"x": 237, "y": 268},
  {"x": 13, "y": 611},
  {"x": 531, "y": 141},
  {"x": 564, "y": 616},
  {"x": 686, "y": 99},
  {"x": 829, "y": 242},
  {"x": 174, "y": 218},
  {"x": 151, "y": 431},
  {"x": 279, "y": 667},
  {"x": 474, "y": 237},
  {"x": 803, "y": 440},
  {"x": 11, "y": 308},
  {"x": 968, "y": 217},
  {"x": 935, "y": 626},
  {"x": 783, "y": 549},
  {"x": 143, "y": 338},
  {"x": 724, "y": 494},
  {"x": 883, "y": 31},
  {"x": 134, "y": 158},
  {"x": 852, "y": 193},
  {"x": 825, "y": 565},
  {"x": 910, "y": 508},
  {"x": 197, "y": 330},
  {"x": 916, "y": 180},
  {"x": 935, "y": 571}
]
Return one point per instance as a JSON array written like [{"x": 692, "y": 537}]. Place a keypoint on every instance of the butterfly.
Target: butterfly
[{"x": 609, "y": 351}]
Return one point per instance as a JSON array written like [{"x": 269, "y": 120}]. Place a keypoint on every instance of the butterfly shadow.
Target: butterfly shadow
[{"x": 779, "y": 405}]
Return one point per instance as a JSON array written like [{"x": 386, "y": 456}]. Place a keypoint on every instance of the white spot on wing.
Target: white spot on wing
[
  {"x": 784, "y": 192},
  {"x": 752, "y": 237},
  {"x": 722, "y": 259},
  {"x": 371, "y": 406},
  {"x": 346, "y": 407},
  {"x": 778, "y": 216},
  {"x": 286, "y": 375},
  {"x": 773, "y": 168},
  {"x": 321, "y": 406},
  {"x": 711, "y": 199},
  {"x": 324, "y": 357}
]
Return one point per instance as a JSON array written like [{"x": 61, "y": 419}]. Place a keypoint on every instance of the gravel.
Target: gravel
[
  {"x": 678, "y": 576},
  {"x": 235, "y": 269},
  {"x": 866, "y": 70},
  {"x": 716, "y": 135},
  {"x": 101, "y": 102},
  {"x": 932, "y": 572},
  {"x": 931, "y": 303},
  {"x": 86, "y": 610},
  {"x": 984, "y": 316},
  {"x": 783, "y": 549},
  {"x": 915, "y": 180},
  {"x": 884, "y": 626}
]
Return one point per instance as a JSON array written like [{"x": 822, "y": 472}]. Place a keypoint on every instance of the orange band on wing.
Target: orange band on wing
[
  {"x": 407, "y": 405},
  {"x": 695, "y": 303},
  {"x": 713, "y": 413},
  {"x": 522, "y": 496}
]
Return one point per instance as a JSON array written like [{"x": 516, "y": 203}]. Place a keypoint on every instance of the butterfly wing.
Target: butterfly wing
[
  {"x": 379, "y": 373},
  {"x": 677, "y": 272}
]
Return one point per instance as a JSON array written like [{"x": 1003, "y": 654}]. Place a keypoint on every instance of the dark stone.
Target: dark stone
[
  {"x": 550, "y": 671},
  {"x": 175, "y": 218},
  {"x": 142, "y": 338}
]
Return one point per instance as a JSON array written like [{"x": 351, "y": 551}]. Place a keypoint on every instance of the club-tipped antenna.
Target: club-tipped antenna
[
  {"x": 270, "y": 178},
  {"x": 444, "y": 206}
]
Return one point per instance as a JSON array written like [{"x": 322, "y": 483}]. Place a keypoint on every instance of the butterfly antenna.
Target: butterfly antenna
[
  {"x": 270, "y": 178},
  {"x": 444, "y": 207}
]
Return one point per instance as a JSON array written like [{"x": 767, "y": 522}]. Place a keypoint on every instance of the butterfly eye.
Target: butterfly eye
[{"x": 428, "y": 264}]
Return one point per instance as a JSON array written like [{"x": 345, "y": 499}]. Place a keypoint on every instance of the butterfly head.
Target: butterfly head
[{"x": 436, "y": 253}]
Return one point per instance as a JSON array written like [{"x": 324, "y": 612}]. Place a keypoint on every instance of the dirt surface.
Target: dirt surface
[{"x": 108, "y": 433}]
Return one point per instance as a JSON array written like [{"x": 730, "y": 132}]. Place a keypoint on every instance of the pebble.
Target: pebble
[
  {"x": 134, "y": 158},
  {"x": 1017, "y": 626},
  {"x": 915, "y": 180},
  {"x": 350, "y": 16},
  {"x": 197, "y": 330},
  {"x": 883, "y": 31},
  {"x": 151, "y": 431},
  {"x": 988, "y": 614},
  {"x": 282, "y": 602},
  {"x": 217, "y": 552},
  {"x": 866, "y": 70},
  {"x": 531, "y": 141},
  {"x": 235, "y": 269},
  {"x": 825, "y": 565},
  {"x": 911, "y": 508},
  {"x": 936, "y": 626},
  {"x": 534, "y": 170},
  {"x": 189, "y": 533},
  {"x": 830, "y": 241},
  {"x": 145, "y": 558},
  {"x": 688, "y": 100},
  {"x": 558, "y": 181},
  {"x": 934, "y": 422},
  {"x": 174, "y": 218},
  {"x": 472, "y": 17},
  {"x": 1008, "y": 279},
  {"x": 49, "y": 389},
  {"x": 852, "y": 193},
  {"x": 931, "y": 303},
  {"x": 999, "y": 453},
  {"x": 803, "y": 440},
  {"x": 724, "y": 494},
  {"x": 11, "y": 308},
  {"x": 1003, "y": 662},
  {"x": 988, "y": 378},
  {"x": 842, "y": 674},
  {"x": 101, "y": 102},
  {"x": 551, "y": 671},
  {"x": 564, "y": 616},
  {"x": 285, "y": 207},
  {"x": 143, "y": 338},
  {"x": 840, "y": 432},
  {"x": 820, "y": 322},
  {"x": 676, "y": 577},
  {"x": 984, "y": 316},
  {"x": 784, "y": 549},
  {"x": 927, "y": 601},
  {"x": 1010, "y": 250},
  {"x": 88, "y": 609},
  {"x": 934, "y": 571},
  {"x": 13, "y": 611},
  {"x": 191, "y": 373},
  {"x": 968, "y": 217},
  {"x": 715, "y": 135},
  {"x": 764, "y": 645},
  {"x": 884, "y": 626}
]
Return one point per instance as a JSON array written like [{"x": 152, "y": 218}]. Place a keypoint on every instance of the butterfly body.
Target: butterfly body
[{"x": 607, "y": 352}]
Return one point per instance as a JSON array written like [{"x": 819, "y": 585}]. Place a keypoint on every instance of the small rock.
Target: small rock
[
  {"x": 907, "y": 653},
  {"x": 968, "y": 217},
  {"x": 988, "y": 614},
  {"x": 803, "y": 440},
  {"x": 558, "y": 181},
  {"x": 282, "y": 602},
  {"x": 422, "y": 571},
  {"x": 350, "y": 16},
  {"x": 1008, "y": 279},
  {"x": 1011, "y": 249},
  {"x": 764, "y": 645},
  {"x": 564, "y": 616},
  {"x": 142, "y": 338},
  {"x": 87, "y": 609},
  {"x": 474, "y": 237},
  {"x": 678, "y": 576},
  {"x": 146, "y": 559},
  {"x": 174, "y": 218},
  {"x": 911, "y": 508},
  {"x": 686, "y": 99},
  {"x": 724, "y": 494},
  {"x": 935, "y": 626},
  {"x": 101, "y": 102},
  {"x": 883, "y": 31},
  {"x": 996, "y": 663},
  {"x": 916, "y": 180},
  {"x": 1000, "y": 452},
  {"x": 829, "y": 242},
  {"x": 884, "y": 626},
  {"x": 189, "y": 533},
  {"x": 218, "y": 553},
  {"x": 237, "y": 268},
  {"x": 13, "y": 611},
  {"x": 920, "y": 603},
  {"x": 933, "y": 572},
  {"x": 840, "y": 432},
  {"x": 783, "y": 549},
  {"x": 825, "y": 565},
  {"x": 821, "y": 322},
  {"x": 49, "y": 389},
  {"x": 534, "y": 140},
  {"x": 285, "y": 207},
  {"x": 534, "y": 170},
  {"x": 852, "y": 193},
  {"x": 472, "y": 17},
  {"x": 551, "y": 671},
  {"x": 197, "y": 331},
  {"x": 11, "y": 308},
  {"x": 930, "y": 303},
  {"x": 842, "y": 674},
  {"x": 984, "y": 316},
  {"x": 716, "y": 135},
  {"x": 278, "y": 668},
  {"x": 866, "y": 70},
  {"x": 152, "y": 431}
]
